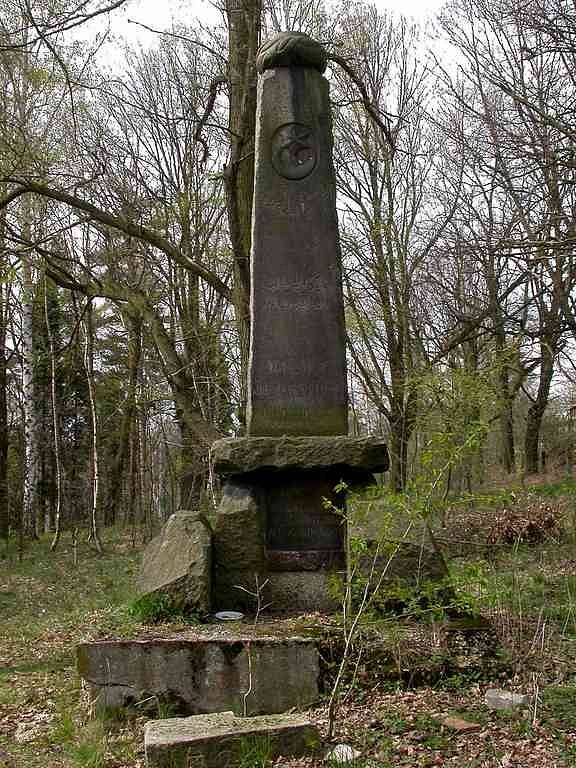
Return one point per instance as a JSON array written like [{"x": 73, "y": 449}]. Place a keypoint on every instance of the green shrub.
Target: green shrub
[{"x": 423, "y": 600}]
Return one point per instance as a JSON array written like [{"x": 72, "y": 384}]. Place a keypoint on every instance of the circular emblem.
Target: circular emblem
[{"x": 294, "y": 151}]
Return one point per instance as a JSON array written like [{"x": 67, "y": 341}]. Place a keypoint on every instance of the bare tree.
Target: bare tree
[
  {"x": 528, "y": 151},
  {"x": 392, "y": 214}
]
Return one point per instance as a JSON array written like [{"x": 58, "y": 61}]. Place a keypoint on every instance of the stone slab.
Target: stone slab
[
  {"x": 277, "y": 525},
  {"x": 222, "y": 740},
  {"x": 178, "y": 562},
  {"x": 297, "y": 369},
  {"x": 296, "y": 514},
  {"x": 291, "y": 49},
  {"x": 497, "y": 698},
  {"x": 202, "y": 675},
  {"x": 244, "y": 455}
]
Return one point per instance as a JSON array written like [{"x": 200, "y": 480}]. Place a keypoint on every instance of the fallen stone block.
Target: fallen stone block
[
  {"x": 223, "y": 740},
  {"x": 178, "y": 563},
  {"x": 496, "y": 698}
]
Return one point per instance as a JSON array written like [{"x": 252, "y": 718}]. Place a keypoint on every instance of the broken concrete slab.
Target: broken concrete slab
[
  {"x": 198, "y": 675},
  {"x": 178, "y": 563},
  {"x": 222, "y": 740},
  {"x": 238, "y": 456}
]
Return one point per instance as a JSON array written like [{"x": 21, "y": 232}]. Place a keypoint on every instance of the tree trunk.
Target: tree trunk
[
  {"x": 128, "y": 425},
  {"x": 507, "y": 428},
  {"x": 398, "y": 448},
  {"x": 194, "y": 469},
  {"x": 244, "y": 18},
  {"x": 57, "y": 519},
  {"x": 507, "y": 448},
  {"x": 402, "y": 420},
  {"x": 537, "y": 409},
  {"x": 4, "y": 517},
  {"x": 31, "y": 415},
  {"x": 196, "y": 432},
  {"x": 89, "y": 369}
]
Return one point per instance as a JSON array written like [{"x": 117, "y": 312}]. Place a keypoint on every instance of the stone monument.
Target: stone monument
[{"x": 277, "y": 522}]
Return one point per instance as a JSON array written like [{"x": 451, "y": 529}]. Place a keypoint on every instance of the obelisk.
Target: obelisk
[{"x": 297, "y": 371}]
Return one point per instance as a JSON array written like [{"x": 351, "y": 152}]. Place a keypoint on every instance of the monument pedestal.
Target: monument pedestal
[{"x": 278, "y": 529}]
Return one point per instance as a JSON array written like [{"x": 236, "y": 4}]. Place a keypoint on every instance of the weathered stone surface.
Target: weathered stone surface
[
  {"x": 239, "y": 530},
  {"x": 109, "y": 698},
  {"x": 291, "y": 49},
  {"x": 218, "y": 741},
  {"x": 297, "y": 519},
  {"x": 404, "y": 561},
  {"x": 234, "y": 456},
  {"x": 178, "y": 562},
  {"x": 283, "y": 591},
  {"x": 203, "y": 675},
  {"x": 505, "y": 700},
  {"x": 297, "y": 371},
  {"x": 279, "y": 524}
]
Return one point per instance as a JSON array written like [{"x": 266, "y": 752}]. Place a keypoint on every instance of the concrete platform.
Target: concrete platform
[{"x": 204, "y": 671}]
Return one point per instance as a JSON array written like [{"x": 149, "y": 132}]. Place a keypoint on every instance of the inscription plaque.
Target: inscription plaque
[{"x": 300, "y": 531}]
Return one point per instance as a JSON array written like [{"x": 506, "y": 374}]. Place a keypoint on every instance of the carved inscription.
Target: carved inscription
[
  {"x": 310, "y": 283},
  {"x": 300, "y": 294},
  {"x": 305, "y": 390},
  {"x": 296, "y": 367},
  {"x": 281, "y": 414},
  {"x": 297, "y": 377},
  {"x": 296, "y": 517},
  {"x": 293, "y": 535},
  {"x": 287, "y": 305}
]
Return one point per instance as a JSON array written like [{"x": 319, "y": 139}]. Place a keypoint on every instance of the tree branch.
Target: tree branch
[{"x": 134, "y": 230}]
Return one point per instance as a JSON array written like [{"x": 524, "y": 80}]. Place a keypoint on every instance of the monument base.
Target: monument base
[
  {"x": 280, "y": 532},
  {"x": 281, "y": 592}
]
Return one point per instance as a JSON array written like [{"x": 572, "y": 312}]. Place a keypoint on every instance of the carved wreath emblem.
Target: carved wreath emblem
[{"x": 294, "y": 151}]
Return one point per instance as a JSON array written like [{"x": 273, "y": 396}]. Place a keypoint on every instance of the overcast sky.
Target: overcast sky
[{"x": 160, "y": 13}]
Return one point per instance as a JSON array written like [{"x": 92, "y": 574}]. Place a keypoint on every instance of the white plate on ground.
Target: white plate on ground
[{"x": 229, "y": 616}]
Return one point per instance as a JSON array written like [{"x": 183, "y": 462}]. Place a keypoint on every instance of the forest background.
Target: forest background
[{"x": 125, "y": 203}]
